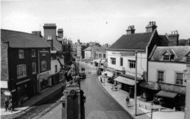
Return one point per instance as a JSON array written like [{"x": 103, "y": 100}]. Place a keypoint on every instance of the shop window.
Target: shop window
[
  {"x": 179, "y": 78},
  {"x": 55, "y": 68},
  {"x": 132, "y": 63},
  {"x": 21, "y": 54},
  {"x": 121, "y": 61},
  {"x": 104, "y": 55},
  {"x": 44, "y": 65},
  {"x": 33, "y": 53},
  {"x": 21, "y": 71},
  {"x": 160, "y": 76},
  {"x": 33, "y": 67},
  {"x": 113, "y": 60},
  {"x": 100, "y": 55}
]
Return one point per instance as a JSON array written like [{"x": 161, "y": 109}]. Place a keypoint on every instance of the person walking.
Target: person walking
[
  {"x": 10, "y": 106},
  {"x": 6, "y": 104},
  {"x": 127, "y": 99}
]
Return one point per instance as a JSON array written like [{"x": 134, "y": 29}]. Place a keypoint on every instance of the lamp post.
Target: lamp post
[
  {"x": 151, "y": 116},
  {"x": 135, "y": 92},
  {"x": 187, "y": 97}
]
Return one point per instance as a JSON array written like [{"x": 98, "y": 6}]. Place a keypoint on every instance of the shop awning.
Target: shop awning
[
  {"x": 125, "y": 80},
  {"x": 109, "y": 74},
  {"x": 150, "y": 85},
  {"x": 166, "y": 94}
]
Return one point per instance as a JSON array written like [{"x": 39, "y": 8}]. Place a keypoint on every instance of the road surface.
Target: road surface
[{"x": 99, "y": 104}]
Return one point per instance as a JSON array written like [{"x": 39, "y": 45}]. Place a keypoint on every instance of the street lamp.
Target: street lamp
[{"x": 135, "y": 95}]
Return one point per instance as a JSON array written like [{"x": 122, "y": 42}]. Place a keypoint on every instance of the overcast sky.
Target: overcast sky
[{"x": 103, "y": 21}]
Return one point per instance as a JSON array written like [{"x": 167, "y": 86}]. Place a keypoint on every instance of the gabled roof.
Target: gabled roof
[
  {"x": 179, "y": 52},
  {"x": 57, "y": 45},
  {"x": 96, "y": 48},
  {"x": 18, "y": 39},
  {"x": 132, "y": 41}
]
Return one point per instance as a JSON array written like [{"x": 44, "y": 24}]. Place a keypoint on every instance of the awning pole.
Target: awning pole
[{"x": 135, "y": 95}]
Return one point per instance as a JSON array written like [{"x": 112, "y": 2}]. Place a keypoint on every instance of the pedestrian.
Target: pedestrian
[
  {"x": 10, "y": 106},
  {"x": 127, "y": 100},
  {"x": 101, "y": 79},
  {"x": 6, "y": 104}
]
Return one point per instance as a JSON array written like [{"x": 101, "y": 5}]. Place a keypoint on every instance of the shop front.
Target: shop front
[
  {"x": 172, "y": 96},
  {"x": 149, "y": 89},
  {"x": 43, "y": 81},
  {"x": 126, "y": 84},
  {"x": 23, "y": 91}
]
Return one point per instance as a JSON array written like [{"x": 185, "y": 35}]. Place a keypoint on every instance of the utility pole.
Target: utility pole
[{"x": 135, "y": 92}]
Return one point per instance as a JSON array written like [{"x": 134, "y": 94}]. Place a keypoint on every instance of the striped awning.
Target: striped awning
[{"x": 125, "y": 80}]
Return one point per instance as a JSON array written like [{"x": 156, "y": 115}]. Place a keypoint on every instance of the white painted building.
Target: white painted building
[{"x": 166, "y": 68}]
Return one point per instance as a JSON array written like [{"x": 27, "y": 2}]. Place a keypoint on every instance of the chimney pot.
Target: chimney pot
[{"x": 131, "y": 29}]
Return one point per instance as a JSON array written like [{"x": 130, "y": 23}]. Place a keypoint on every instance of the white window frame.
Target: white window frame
[
  {"x": 132, "y": 64},
  {"x": 33, "y": 53},
  {"x": 21, "y": 54},
  {"x": 159, "y": 76},
  {"x": 176, "y": 76},
  {"x": 21, "y": 71},
  {"x": 113, "y": 60}
]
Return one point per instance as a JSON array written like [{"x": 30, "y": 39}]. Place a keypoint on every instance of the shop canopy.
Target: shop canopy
[
  {"x": 109, "y": 74},
  {"x": 125, "y": 80},
  {"x": 166, "y": 94}
]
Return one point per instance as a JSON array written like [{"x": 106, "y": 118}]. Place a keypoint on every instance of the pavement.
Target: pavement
[
  {"x": 144, "y": 108},
  {"x": 29, "y": 103}
]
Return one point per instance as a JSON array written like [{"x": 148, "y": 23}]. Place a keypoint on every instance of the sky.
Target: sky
[{"x": 103, "y": 21}]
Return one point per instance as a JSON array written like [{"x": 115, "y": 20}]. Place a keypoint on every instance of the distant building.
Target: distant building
[
  {"x": 166, "y": 69},
  {"x": 25, "y": 65},
  {"x": 121, "y": 54},
  {"x": 56, "y": 51}
]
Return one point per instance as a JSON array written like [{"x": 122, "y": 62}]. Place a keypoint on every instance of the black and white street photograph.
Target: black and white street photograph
[{"x": 95, "y": 59}]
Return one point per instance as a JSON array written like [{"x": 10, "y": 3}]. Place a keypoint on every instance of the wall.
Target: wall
[
  {"x": 88, "y": 54},
  {"x": 4, "y": 62},
  {"x": 53, "y": 63},
  {"x": 141, "y": 61},
  {"x": 169, "y": 69}
]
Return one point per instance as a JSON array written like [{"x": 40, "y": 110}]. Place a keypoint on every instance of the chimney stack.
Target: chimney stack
[
  {"x": 130, "y": 30},
  {"x": 60, "y": 33},
  {"x": 50, "y": 33},
  {"x": 151, "y": 26},
  {"x": 173, "y": 38}
]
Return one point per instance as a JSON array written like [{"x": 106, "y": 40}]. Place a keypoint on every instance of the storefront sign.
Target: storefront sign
[{"x": 4, "y": 84}]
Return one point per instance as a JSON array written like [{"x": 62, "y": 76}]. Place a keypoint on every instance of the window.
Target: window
[
  {"x": 104, "y": 56},
  {"x": 121, "y": 61},
  {"x": 21, "y": 54},
  {"x": 44, "y": 65},
  {"x": 132, "y": 63},
  {"x": 33, "y": 67},
  {"x": 160, "y": 76},
  {"x": 179, "y": 78},
  {"x": 21, "y": 71},
  {"x": 166, "y": 58},
  {"x": 49, "y": 37},
  {"x": 55, "y": 68},
  {"x": 113, "y": 60},
  {"x": 188, "y": 59},
  {"x": 100, "y": 55},
  {"x": 33, "y": 53}
]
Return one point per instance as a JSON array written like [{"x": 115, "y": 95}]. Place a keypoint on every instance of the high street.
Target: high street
[{"x": 99, "y": 104}]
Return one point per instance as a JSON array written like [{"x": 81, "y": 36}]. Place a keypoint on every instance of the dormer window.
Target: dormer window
[{"x": 168, "y": 56}]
